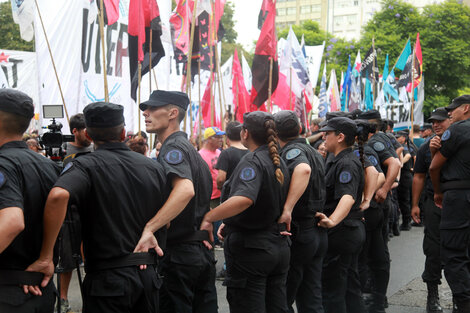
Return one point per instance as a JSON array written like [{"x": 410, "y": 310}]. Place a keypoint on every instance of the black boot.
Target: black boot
[
  {"x": 377, "y": 305},
  {"x": 433, "y": 305},
  {"x": 396, "y": 229},
  {"x": 406, "y": 225}
]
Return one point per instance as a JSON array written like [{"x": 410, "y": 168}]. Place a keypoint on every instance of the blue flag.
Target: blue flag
[
  {"x": 385, "y": 72},
  {"x": 369, "y": 97},
  {"x": 404, "y": 56},
  {"x": 346, "y": 87}
]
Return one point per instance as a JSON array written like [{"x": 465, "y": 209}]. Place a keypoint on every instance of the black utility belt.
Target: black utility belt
[
  {"x": 15, "y": 277},
  {"x": 455, "y": 184},
  {"x": 133, "y": 259},
  {"x": 196, "y": 236},
  {"x": 275, "y": 228}
]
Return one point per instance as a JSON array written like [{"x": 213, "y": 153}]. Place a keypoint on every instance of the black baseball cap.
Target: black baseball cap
[
  {"x": 426, "y": 126},
  {"x": 439, "y": 114},
  {"x": 254, "y": 121},
  {"x": 341, "y": 124},
  {"x": 465, "y": 99},
  {"x": 287, "y": 124},
  {"x": 16, "y": 102},
  {"x": 103, "y": 115},
  {"x": 401, "y": 133},
  {"x": 160, "y": 98}
]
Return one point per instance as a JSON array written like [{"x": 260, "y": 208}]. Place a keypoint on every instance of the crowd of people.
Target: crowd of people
[{"x": 303, "y": 216}]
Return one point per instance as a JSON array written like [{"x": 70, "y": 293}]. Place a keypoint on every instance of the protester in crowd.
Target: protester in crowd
[
  {"x": 188, "y": 265},
  {"x": 103, "y": 185},
  {"x": 306, "y": 197},
  {"x": 33, "y": 144},
  {"x": 425, "y": 131},
  {"x": 25, "y": 180},
  {"x": 342, "y": 217},
  {"x": 431, "y": 241},
  {"x": 157, "y": 145},
  {"x": 256, "y": 253},
  {"x": 322, "y": 150},
  {"x": 417, "y": 139},
  {"x": 138, "y": 144},
  {"x": 450, "y": 174}
]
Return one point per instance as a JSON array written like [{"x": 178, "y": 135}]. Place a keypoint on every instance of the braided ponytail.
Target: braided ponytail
[
  {"x": 273, "y": 153},
  {"x": 360, "y": 143}
]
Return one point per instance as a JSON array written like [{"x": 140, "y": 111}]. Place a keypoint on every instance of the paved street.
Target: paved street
[{"x": 406, "y": 292}]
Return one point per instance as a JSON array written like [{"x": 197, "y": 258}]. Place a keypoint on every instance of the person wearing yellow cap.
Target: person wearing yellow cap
[{"x": 210, "y": 152}]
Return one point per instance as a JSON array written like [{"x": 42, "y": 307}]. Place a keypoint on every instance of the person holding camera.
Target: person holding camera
[{"x": 25, "y": 180}]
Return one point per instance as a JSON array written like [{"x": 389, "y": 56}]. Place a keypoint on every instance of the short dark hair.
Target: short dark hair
[
  {"x": 13, "y": 124},
  {"x": 105, "y": 134},
  {"x": 77, "y": 121},
  {"x": 181, "y": 112},
  {"x": 233, "y": 131}
]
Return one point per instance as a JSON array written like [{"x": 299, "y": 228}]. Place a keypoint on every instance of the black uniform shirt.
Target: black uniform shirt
[
  {"x": 25, "y": 181},
  {"x": 254, "y": 178},
  {"x": 297, "y": 152},
  {"x": 455, "y": 146},
  {"x": 228, "y": 160},
  {"x": 180, "y": 159},
  {"x": 408, "y": 166},
  {"x": 344, "y": 176},
  {"x": 422, "y": 164},
  {"x": 117, "y": 192},
  {"x": 393, "y": 141},
  {"x": 384, "y": 149},
  {"x": 370, "y": 157}
]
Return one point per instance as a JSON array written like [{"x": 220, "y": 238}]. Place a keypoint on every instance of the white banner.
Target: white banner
[
  {"x": 18, "y": 71},
  {"x": 314, "y": 57}
]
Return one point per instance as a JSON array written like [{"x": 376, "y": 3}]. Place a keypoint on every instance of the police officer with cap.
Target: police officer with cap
[
  {"x": 25, "y": 180},
  {"x": 188, "y": 265},
  {"x": 306, "y": 197},
  {"x": 406, "y": 179},
  {"x": 450, "y": 175},
  {"x": 256, "y": 253},
  {"x": 342, "y": 217},
  {"x": 431, "y": 241},
  {"x": 103, "y": 185}
]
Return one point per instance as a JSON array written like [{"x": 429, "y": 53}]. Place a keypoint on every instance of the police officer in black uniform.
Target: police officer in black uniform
[
  {"x": 306, "y": 197},
  {"x": 188, "y": 265},
  {"x": 256, "y": 253},
  {"x": 25, "y": 180},
  {"x": 116, "y": 191},
  {"x": 343, "y": 218},
  {"x": 450, "y": 174},
  {"x": 431, "y": 241},
  {"x": 406, "y": 179}
]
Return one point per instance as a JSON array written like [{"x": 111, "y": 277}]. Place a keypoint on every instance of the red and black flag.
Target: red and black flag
[
  {"x": 264, "y": 52},
  {"x": 111, "y": 10},
  {"x": 180, "y": 21},
  {"x": 263, "y": 13},
  {"x": 143, "y": 16}
]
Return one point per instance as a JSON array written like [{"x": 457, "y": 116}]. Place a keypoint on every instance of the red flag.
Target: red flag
[
  {"x": 206, "y": 107},
  {"x": 283, "y": 97},
  {"x": 180, "y": 21},
  {"x": 418, "y": 70},
  {"x": 265, "y": 50},
  {"x": 241, "y": 97},
  {"x": 111, "y": 11},
  {"x": 143, "y": 16}
]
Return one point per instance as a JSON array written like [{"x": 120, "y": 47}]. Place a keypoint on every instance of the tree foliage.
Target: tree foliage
[{"x": 10, "y": 38}]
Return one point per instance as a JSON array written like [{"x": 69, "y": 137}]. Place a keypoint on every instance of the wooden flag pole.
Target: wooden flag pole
[
  {"x": 412, "y": 91},
  {"x": 188, "y": 67},
  {"x": 270, "y": 85},
  {"x": 217, "y": 70},
  {"x": 155, "y": 79},
  {"x": 138, "y": 100},
  {"x": 105, "y": 74},
  {"x": 53, "y": 62}
]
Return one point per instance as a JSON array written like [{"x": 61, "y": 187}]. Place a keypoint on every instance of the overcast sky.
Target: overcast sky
[{"x": 246, "y": 21}]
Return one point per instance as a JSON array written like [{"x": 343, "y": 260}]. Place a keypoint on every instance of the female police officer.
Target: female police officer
[
  {"x": 257, "y": 255},
  {"x": 306, "y": 197},
  {"x": 342, "y": 216}
]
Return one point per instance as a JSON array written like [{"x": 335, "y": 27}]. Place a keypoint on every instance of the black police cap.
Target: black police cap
[
  {"x": 330, "y": 115},
  {"x": 426, "y": 126},
  {"x": 16, "y": 102},
  {"x": 342, "y": 124},
  {"x": 287, "y": 124},
  {"x": 254, "y": 121},
  {"x": 465, "y": 99},
  {"x": 370, "y": 115},
  {"x": 401, "y": 133},
  {"x": 160, "y": 98},
  {"x": 439, "y": 114},
  {"x": 103, "y": 115}
]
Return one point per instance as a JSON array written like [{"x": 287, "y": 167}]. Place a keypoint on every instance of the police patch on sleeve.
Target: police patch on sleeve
[
  {"x": 66, "y": 168},
  {"x": 373, "y": 160},
  {"x": 445, "y": 135},
  {"x": 358, "y": 154},
  {"x": 247, "y": 174},
  {"x": 174, "y": 157},
  {"x": 378, "y": 146},
  {"x": 2, "y": 179},
  {"x": 292, "y": 153},
  {"x": 345, "y": 177}
]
